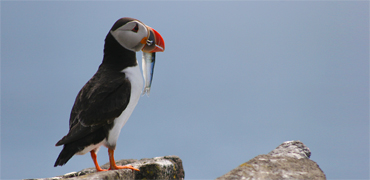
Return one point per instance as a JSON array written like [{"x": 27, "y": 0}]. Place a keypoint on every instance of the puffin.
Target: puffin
[{"x": 106, "y": 101}]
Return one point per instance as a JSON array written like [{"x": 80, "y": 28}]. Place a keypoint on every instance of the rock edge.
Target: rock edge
[{"x": 166, "y": 167}]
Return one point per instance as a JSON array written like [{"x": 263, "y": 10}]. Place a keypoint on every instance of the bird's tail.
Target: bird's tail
[{"x": 65, "y": 155}]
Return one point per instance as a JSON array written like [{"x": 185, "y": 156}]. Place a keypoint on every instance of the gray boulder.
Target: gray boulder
[
  {"x": 167, "y": 167},
  {"x": 290, "y": 160}
]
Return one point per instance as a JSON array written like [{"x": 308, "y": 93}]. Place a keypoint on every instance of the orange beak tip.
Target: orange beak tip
[{"x": 159, "y": 42}]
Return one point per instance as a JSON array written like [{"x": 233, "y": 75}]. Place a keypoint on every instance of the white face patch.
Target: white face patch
[{"x": 128, "y": 37}]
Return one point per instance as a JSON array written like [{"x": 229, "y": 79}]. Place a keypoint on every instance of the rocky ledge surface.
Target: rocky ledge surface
[
  {"x": 166, "y": 167},
  {"x": 290, "y": 160}
]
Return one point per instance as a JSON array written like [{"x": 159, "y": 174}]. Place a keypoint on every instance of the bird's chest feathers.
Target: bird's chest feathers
[{"x": 136, "y": 80}]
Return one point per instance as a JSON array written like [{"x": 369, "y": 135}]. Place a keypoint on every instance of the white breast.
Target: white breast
[{"x": 135, "y": 77}]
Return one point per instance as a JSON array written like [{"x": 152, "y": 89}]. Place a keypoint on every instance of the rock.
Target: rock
[
  {"x": 167, "y": 167},
  {"x": 290, "y": 160},
  {"x": 294, "y": 149}
]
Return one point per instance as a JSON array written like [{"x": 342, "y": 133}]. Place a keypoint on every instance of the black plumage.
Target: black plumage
[
  {"x": 100, "y": 101},
  {"x": 106, "y": 101}
]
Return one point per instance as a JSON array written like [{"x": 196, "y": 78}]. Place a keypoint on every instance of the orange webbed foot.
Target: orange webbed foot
[
  {"x": 100, "y": 170},
  {"x": 123, "y": 167},
  {"x": 113, "y": 165}
]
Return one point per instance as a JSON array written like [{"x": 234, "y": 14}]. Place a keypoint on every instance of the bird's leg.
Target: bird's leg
[
  {"x": 93, "y": 156},
  {"x": 113, "y": 165}
]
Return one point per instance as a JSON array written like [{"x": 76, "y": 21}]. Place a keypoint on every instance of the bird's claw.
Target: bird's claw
[{"x": 124, "y": 167}]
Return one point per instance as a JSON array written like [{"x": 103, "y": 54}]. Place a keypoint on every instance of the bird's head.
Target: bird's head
[{"x": 134, "y": 35}]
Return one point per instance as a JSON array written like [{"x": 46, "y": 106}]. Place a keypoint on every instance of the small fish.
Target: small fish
[{"x": 148, "y": 69}]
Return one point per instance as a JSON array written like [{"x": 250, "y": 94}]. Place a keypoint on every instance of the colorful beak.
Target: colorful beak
[{"x": 154, "y": 42}]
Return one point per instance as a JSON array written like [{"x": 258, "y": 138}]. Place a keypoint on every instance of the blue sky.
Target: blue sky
[{"x": 236, "y": 80}]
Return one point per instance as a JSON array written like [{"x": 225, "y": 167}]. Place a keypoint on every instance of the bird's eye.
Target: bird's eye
[{"x": 135, "y": 29}]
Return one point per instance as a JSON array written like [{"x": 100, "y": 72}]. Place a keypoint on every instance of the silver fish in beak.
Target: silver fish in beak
[
  {"x": 148, "y": 69},
  {"x": 154, "y": 43}
]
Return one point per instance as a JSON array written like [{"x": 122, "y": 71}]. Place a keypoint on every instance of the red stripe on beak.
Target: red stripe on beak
[
  {"x": 154, "y": 42},
  {"x": 159, "y": 42}
]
